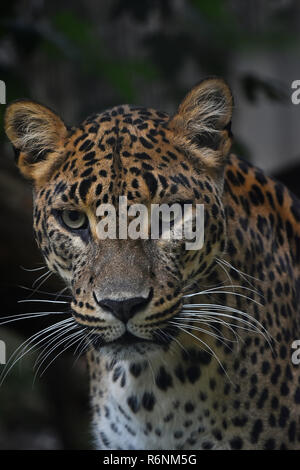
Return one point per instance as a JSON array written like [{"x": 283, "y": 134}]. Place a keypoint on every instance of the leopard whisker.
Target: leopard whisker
[
  {"x": 241, "y": 273},
  {"x": 218, "y": 290},
  {"x": 50, "y": 331},
  {"x": 208, "y": 322},
  {"x": 86, "y": 346},
  {"x": 43, "y": 301},
  {"x": 14, "y": 358},
  {"x": 179, "y": 343},
  {"x": 57, "y": 345},
  {"x": 52, "y": 340},
  {"x": 45, "y": 277},
  {"x": 41, "y": 277},
  {"x": 26, "y": 316},
  {"x": 86, "y": 343},
  {"x": 30, "y": 270},
  {"x": 45, "y": 292},
  {"x": 255, "y": 325},
  {"x": 203, "y": 330},
  {"x": 211, "y": 351},
  {"x": 151, "y": 368},
  {"x": 89, "y": 333},
  {"x": 78, "y": 333},
  {"x": 224, "y": 308},
  {"x": 59, "y": 293},
  {"x": 168, "y": 336},
  {"x": 226, "y": 272},
  {"x": 225, "y": 315}
]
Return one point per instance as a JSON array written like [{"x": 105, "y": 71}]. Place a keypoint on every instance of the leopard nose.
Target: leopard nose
[{"x": 125, "y": 309}]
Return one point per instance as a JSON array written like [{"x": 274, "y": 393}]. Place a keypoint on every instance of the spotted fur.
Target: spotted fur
[{"x": 172, "y": 385}]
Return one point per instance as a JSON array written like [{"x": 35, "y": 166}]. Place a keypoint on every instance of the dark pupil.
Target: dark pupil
[{"x": 74, "y": 215}]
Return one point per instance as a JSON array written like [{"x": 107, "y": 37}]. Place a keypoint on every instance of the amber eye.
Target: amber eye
[{"x": 74, "y": 220}]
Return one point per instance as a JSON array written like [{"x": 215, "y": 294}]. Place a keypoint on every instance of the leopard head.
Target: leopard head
[{"x": 126, "y": 291}]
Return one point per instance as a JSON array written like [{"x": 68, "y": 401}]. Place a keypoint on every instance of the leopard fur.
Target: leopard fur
[{"x": 178, "y": 380}]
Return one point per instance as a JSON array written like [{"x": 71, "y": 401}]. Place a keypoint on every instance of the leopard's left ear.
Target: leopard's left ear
[
  {"x": 37, "y": 135},
  {"x": 202, "y": 124}
]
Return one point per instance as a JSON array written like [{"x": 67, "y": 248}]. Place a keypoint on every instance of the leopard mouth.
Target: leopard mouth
[{"x": 127, "y": 339}]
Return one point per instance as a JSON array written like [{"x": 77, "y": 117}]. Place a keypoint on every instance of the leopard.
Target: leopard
[{"x": 186, "y": 349}]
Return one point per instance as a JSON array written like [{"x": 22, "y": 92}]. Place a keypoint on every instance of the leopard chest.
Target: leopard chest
[{"x": 137, "y": 405}]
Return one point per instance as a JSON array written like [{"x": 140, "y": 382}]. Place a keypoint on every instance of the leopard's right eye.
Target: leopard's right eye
[{"x": 74, "y": 220}]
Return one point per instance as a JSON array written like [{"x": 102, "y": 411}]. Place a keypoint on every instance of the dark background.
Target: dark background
[{"x": 83, "y": 56}]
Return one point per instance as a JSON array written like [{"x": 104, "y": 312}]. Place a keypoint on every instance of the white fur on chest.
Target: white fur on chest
[{"x": 139, "y": 415}]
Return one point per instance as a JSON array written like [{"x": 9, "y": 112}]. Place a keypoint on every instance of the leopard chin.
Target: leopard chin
[{"x": 127, "y": 346}]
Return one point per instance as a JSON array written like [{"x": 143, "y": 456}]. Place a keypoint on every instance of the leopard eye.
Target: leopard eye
[{"x": 74, "y": 220}]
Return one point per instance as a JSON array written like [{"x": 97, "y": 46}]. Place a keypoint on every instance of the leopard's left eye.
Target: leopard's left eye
[{"x": 74, "y": 220}]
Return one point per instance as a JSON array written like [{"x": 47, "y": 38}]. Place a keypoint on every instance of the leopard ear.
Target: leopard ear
[
  {"x": 202, "y": 123},
  {"x": 37, "y": 135}
]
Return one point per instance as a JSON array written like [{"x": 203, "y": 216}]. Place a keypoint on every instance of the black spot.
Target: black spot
[
  {"x": 256, "y": 431},
  {"x": 98, "y": 189},
  {"x": 133, "y": 403},
  {"x": 142, "y": 156},
  {"x": 135, "y": 369},
  {"x": 84, "y": 188},
  {"x": 87, "y": 145},
  {"x": 204, "y": 357},
  {"x": 232, "y": 178},
  {"x": 270, "y": 444},
  {"x": 123, "y": 380},
  {"x": 256, "y": 195},
  {"x": 240, "y": 421},
  {"x": 295, "y": 209},
  {"x": 148, "y": 401},
  {"x": 292, "y": 431},
  {"x": 151, "y": 183},
  {"x": 284, "y": 389},
  {"x": 163, "y": 379},
  {"x": 104, "y": 439},
  {"x": 146, "y": 143},
  {"x": 193, "y": 374},
  {"x": 276, "y": 374},
  {"x": 261, "y": 178},
  {"x": 279, "y": 193},
  {"x": 207, "y": 445},
  {"x": 147, "y": 167},
  {"x": 263, "y": 397},
  {"x": 212, "y": 384},
  {"x": 275, "y": 403},
  {"x": 236, "y": 443},
  {"x": 179, "y": 372},
  {"x": 231, "y": 248},
  {"x": 117, "y": 373},
  {"x": 163, "y": 181},
  {"x": 189, "y": 407},
  {"x": 297, "y": 396},
  {"x": 283, "y": 351},
  {"x": 89, "y": 157},
  {"x": 284, "y": 416},
  {"x": 86, "y": 173}
]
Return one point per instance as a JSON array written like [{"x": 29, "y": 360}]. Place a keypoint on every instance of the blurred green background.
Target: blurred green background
[{"x": 83, "y": 56}]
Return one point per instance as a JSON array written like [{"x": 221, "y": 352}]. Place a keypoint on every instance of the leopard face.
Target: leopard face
[{"x": 126, "y": 291}]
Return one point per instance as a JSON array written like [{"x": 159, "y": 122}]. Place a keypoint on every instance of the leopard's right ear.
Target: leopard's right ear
[{"x": 37, "y": 135}]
